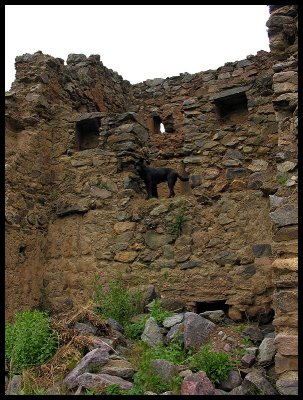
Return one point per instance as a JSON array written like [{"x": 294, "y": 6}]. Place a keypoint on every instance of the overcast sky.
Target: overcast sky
[{"x": 138, "y": 41}]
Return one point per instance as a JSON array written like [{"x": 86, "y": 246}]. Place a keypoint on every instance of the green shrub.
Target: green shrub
[
  {"x": 30, "y": 340},
  {"x": 91, "y": 392},
  {"x": 38, "y": 391},
  {"x": 134, "y": 330},
  {"x": 114, "y": 389},
  {"x": 158, "y": 312},
  {"x": 173, "y": 352},
  {"x": 146, "y": 378},
  {"x": 216, "y": 365},
  {"x": 117, "y": 302}
]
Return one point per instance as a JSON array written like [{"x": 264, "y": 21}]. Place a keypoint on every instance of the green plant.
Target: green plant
[
  {"x": 246, "y": 341},
  {"x": 116, "y": 302},
  {"x": 91, "y": 392},
  {"x": 103, "y": 185},
  {"x": 253, "y": 390},
  {"x": 237, "y": 354},
  {"x": 158, "y": 312},
  {"x": 114, "y": 389},
  {"x": 39, "y": 391},
  {"x": 53, "y": 195},
  {"x": 30, "y": 340},
  {"x": 282, "y": 179},
  {"x": 217, "y": 365},
  {"x": 134, "y": 330},
  {"x": 145, "y": 378},
  {"x": 175, "y": 383},
  {"x": 240, "y": 328},
  {"x": 177, "y": 225},
  {"x": 173, "y": 352}
]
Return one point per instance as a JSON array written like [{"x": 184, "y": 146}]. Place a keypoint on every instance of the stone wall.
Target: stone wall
[
  {"x": 76, "y": 211},
  {"x": 283, "y": 40},
  {"x": 42, "y": 113}
]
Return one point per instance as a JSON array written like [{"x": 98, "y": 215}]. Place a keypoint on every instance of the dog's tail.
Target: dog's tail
[{"x": 183, "y": 178}]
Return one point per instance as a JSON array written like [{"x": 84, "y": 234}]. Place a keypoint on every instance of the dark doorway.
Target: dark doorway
[{"x": 202, "y": 306}]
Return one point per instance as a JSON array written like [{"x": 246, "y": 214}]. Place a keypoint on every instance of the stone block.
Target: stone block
[
  {"x": 285, "y": 363},
  {"x": 287, "y": 345}
]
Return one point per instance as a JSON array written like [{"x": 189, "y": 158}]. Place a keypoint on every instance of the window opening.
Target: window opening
[
  {"x": 88, "y": 133},
  {"x": 157, "y": 124},
  {"x": 231, "y": 104}
]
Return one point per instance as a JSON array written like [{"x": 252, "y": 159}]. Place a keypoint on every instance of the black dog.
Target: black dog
[{"x": 153, "y": 176}]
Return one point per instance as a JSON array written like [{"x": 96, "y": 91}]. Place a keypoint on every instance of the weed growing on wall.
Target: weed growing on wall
[
  {"x": 177, "y": 225},
  {"x": 282, "y": 179},
  {"x": 116, "y": 302}
]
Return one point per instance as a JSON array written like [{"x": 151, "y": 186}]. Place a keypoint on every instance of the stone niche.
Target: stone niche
[
  {"x": 87, "y": 133},
  {"x": 231, "y": 103}
]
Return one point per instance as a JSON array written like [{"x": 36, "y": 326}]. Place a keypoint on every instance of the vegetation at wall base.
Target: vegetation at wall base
[{"x": 29, "y": 340}]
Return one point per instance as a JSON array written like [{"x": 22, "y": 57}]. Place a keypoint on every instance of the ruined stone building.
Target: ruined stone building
[{"x": 76, "y": 211}]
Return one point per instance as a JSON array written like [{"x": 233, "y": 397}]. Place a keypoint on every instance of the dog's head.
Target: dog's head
[{"x": 139, "y": 164}]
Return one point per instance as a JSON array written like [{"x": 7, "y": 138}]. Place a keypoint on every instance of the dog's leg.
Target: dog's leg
[
  {"x": 154, "y": 190},
  {"x": 171, "y": 180},
  {"x": 149, "y": 188}
]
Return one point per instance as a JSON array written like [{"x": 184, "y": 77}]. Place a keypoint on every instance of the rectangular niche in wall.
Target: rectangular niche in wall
[
  {"x": 88, "y": 133},
  {"x": 231, "y": 102}
]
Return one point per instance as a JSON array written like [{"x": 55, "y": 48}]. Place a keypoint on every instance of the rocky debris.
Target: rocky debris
[
  {"x": 118, "y": 367},
  {"x": 173, "y": 320},
  {"x": 115, "y": 325},
  {"x": 107, "y": 363},
  {"x": 152, "y": 333},
  {"x": 165, "y": 369},
  {"x": 94, "y": 359},
  {"x": 216, "y": 316},
  {"x": 196, "y": 330},
  {"x": 64, "y": 210},
  {"x": 101, "y": 381},
  {"x": 14, "y": 385},
  {"x": 85, "y": 328},
  {"x": 254, "y": 333},
  {"x": 232, "y": 381},
  {"x": 267, "y": 351},
  {"x": 248, "y": 360},
  {"x": 197, "y": 384},
  {"x": 176, "y": 332},
  {"x": 255, "y": 383}
]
